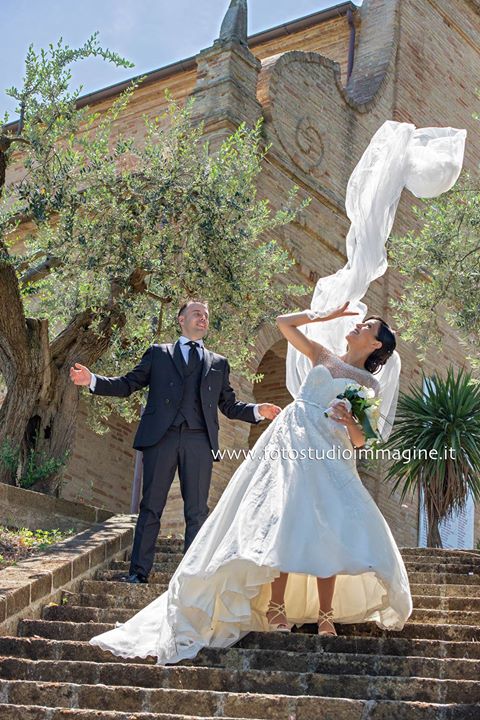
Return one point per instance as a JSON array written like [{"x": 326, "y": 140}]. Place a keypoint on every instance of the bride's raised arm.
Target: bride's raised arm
[{"x": 288, "y": 325}]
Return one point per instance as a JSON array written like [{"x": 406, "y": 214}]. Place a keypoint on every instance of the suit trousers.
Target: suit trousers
[{"x": 190, "y": 452}]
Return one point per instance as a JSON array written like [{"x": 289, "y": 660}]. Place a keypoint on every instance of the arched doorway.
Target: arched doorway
[{"x": 272, "y": 388}]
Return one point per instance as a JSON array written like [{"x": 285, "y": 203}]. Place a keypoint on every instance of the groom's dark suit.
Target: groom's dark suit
[{"x": 179, "y": 428}]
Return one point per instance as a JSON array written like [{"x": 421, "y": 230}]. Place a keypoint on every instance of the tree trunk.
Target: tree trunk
[
  {"x": 433, "y": 533},
  {"x": 24, "y": 361},
  {"x": 55, "y": 416},
  {"x": 15, "y": 413},
  {"x": 40, "y": 409},
  {"x": 434, "y": 540}
]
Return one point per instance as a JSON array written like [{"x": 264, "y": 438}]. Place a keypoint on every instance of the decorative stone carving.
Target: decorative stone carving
[
  {"x": 304, "y": 103},
  {"x": 309, "y": 141}
]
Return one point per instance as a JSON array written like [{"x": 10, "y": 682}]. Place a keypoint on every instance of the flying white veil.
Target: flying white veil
[{"x": 427, "y": 161}]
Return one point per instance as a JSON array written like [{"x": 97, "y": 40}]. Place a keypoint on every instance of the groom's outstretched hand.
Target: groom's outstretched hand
[
  {"x": 269, "y": 411},
  {"x": 80, "y": 374}
]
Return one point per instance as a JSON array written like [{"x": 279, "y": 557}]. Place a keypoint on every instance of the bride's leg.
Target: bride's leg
[
  {"x": 325, "y": 587},
  {"x": 278, "y": 594}
]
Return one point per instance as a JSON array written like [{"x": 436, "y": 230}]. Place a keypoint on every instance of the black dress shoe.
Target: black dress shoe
[{"x": 134, "y": 578}]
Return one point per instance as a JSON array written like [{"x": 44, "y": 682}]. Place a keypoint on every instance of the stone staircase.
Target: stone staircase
[{"x": 428, "y": 671}]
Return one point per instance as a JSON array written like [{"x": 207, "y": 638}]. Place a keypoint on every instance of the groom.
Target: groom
[{"x": 179, "y": 426}]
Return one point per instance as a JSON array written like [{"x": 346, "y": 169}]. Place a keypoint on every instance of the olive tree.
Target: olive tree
[{"x": 115, "y": 231}]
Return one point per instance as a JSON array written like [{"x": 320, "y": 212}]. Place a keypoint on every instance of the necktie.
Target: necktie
[{"x": 193, "y": 358}]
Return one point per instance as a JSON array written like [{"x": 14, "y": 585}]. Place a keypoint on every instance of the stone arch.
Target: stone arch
[{"x": 272, "y": 388}]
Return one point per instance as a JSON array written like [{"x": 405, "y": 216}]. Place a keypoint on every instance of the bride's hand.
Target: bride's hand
[
  {"x": 341, "y": 312},
  {"x": 342, "y": 415},
  {"x": 321, "y": 315}
]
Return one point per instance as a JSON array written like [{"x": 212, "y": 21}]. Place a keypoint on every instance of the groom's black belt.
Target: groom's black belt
[{"x": 184, "y": 426}]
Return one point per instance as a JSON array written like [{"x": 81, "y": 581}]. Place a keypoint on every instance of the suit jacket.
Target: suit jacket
[{"x": 161, "y": 368}]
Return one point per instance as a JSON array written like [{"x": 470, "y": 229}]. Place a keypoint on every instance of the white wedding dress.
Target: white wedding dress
[{"x": 307, "y": 516}]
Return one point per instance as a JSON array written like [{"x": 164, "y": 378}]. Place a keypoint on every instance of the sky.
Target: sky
[{"x": 149, "y": 33}]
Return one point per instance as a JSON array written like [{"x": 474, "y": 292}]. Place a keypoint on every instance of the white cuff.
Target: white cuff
[
  {"x": 93, "y": 382},
  {"x": 256, "y": 412},
  {"x": 315, "y": 314}
]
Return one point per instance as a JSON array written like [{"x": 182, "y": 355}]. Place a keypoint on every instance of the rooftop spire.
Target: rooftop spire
[{"x": 234, "y": 25}]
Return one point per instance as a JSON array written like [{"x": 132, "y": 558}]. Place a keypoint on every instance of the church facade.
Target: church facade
[{"x": 323, "y": 84}]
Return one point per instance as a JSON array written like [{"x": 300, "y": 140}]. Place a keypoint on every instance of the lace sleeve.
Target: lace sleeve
[{"x": 324, "y": 354}]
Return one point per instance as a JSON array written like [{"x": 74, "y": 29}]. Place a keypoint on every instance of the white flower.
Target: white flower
[
  {"x": 353, "y": 386},
  {"x": 373, "y": 415},
  {"x": 366, "y": 392}
]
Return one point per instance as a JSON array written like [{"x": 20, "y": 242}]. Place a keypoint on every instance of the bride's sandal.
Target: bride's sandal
[
  {"x": 279, "y": 610},
  {"x": 326, "y": 617}
]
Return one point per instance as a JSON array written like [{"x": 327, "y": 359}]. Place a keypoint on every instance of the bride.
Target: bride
[
  {"x": 297, "y": 538},
  {"x": 293, "y": 539}
]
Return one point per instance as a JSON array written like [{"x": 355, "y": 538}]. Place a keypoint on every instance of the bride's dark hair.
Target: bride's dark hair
[{"x": 380, "y": 356}]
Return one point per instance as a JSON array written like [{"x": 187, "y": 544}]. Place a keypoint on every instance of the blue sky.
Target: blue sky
[{"x": 150, "y": 33}]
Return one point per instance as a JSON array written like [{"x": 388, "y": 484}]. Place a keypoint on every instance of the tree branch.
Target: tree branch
[{"x": 38, "y": 272}]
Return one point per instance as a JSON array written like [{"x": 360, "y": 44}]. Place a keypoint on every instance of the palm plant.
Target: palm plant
[{"x": 446, "y": 417}]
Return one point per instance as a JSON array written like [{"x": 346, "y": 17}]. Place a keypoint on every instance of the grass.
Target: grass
[{"x": 21, "y": 543}]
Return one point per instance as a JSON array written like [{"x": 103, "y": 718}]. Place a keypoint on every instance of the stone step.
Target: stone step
[
  {"x": 467, "y": 633},
  {"x": 167, "y": 565},
  {"x": 142, "y": 594},
  {"x": 440, "y": 552},
  {"x": 61, "y": 629},
  {"x": 388, "y": 643},
  {"x": 438, "y": 602},
  {"x": 36, "y": 712},
  {"x": 445, "y": 617},
  {"x": 427, "y": 602},
  {"x": 34, "y": 647},
  {"x": 143, "y": 591},
  {"x": 108, "y": 601},
  {"x": 175, "y": 545},
  {"x": 444, "y": 578},
  {"x": 155, "y": 578},
  {"x": 56, "y": 633},
  {"x": 161, "y": 558},
  {"x": 164, "y": 561},
  {"x": 348, "y": 663},
  {"x": 82, "y": 614},
  {"x": 421, "y": 563},
  {"x": 106, "y": 618},
  {"x": 168, "y": 545},
  {"x": 151, "y": 590},
  {"x": 467, "y": 568},
  {"x": 166, "y": 702},
  {"x": 425, "y": 578},
  {"x": 115, "y": 613},
  {"x": 273, "y": 682},
  {"x": 445, "y": 590}
]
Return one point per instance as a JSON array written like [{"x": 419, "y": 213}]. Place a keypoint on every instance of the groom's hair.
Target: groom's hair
[
  {"x": 188, "y": 302},
  {"x": 386, "y": 335}
]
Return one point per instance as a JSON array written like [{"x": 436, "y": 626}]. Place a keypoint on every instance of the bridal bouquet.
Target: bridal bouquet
[{"x": 361, "y": 401}]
